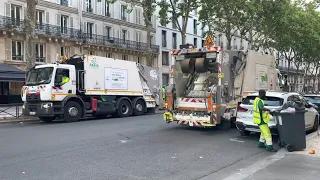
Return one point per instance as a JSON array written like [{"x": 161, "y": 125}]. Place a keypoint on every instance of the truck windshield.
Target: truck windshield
[{"x": 39, "y": 76}]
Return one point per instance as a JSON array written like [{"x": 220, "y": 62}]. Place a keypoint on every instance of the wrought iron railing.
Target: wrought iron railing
[
  {"x": 11, "y": 110},
  {"x": 75, "y": 34}
]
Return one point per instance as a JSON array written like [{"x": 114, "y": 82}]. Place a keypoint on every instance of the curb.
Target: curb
[
  {"x": 16, "y": 121},
  {"x": 244, "y": 173}
]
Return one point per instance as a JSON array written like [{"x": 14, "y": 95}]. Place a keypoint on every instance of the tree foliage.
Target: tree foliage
[{"x": 176, "y": 10}]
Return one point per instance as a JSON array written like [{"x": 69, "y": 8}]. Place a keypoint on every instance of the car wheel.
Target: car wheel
[
  {"x": 244, "y": 133},
  {"x": 315, "y": 124}
]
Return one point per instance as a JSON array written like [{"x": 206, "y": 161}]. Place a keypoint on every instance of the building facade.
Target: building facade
[{"x": 68, "y": 27}]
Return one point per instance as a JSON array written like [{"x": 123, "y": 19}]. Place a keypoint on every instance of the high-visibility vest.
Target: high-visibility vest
[
  {"x": 256, "y": 113},
  {"x": 64, "y": 80}
]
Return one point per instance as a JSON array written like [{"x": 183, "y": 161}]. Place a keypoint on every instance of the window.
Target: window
[
  {"x": 164, "y": 38},
  {"x": 65, "y": 74},
  {"x": 165, "y": 58},
  {"x": 202, "y": 43},
  {"x": 270, "y": 101},
  {"x": 195, "y": 42},
  {"x": 40, "y": 53},
  {"x": 124, "y": 34},
  {"x": 138, "y": 37},
  {"x": 16, "y": 15},
  {"x": 124, "y": 57},
  {"x": 109, "y": 55},
  {"x": 138, "y": 16},
  {"x": 123, "y": 12},
  {"x": 90, "y": 30},
  {"x": 150, "y": 62},
  {"x": 195, "y": 26},
  {"x": 107, "y": 8},
  {"x": 64, "y": 51},
  {"x": 64, "y": 24},
  {"x": 64, "y": 2},
  {"x": 39, "y": 76},
  {"x": 313, "y": 99},
  {"x": 17, "y": 50},
  {"x": 89, "y": 6},
  {"x": 15, "y": 88},
  {"x": 174, "y": 40},
  {"x": 108, "y": 32},
  {"x": 91, "y": 53},
  {"x": 165, "y": 79},
  {"x": 39, "y": 19}
]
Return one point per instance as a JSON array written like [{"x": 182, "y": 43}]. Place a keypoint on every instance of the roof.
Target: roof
[
  {"x": 10, "y": 68},
  {"x": 274, "y": 94},
  {"x": 10, "y": 73}
]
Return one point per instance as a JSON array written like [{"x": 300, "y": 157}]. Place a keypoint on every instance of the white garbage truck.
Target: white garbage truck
[
  {"x": 207, "y": 83},
  {"x": 89, "y": 85}
]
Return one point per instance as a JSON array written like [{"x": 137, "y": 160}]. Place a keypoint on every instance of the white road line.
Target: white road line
[{"x": 235, "y": 140}]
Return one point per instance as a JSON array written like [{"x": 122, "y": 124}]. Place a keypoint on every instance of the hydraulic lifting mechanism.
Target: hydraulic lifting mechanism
[{"x": 194, "y": 93}]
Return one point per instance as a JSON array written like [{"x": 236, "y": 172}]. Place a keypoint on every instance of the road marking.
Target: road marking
[
  {"x": 235, "y": 140},
  {"x": 122, "y": 141}
]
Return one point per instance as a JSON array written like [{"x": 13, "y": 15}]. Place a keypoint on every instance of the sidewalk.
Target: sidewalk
[{"x": 286, "y": 166}]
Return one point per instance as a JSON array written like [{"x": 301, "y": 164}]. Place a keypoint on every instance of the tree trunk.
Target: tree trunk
[
  {"x": 184, "y": 37},
  {"x": 30, "y": 20},
  {"x": 147, "y": 5}
]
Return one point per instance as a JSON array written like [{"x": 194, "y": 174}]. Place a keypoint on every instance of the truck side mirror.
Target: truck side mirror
[{"x": 58, "y": 80}]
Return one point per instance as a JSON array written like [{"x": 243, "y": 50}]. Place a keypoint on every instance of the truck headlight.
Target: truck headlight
[{"x": 46, "y": 105}]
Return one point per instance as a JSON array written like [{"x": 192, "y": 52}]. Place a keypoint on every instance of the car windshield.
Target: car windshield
[
  {"x": 270, "y": 101},
  {"x": 39, "y": 76},
  {"x": 313, "y": 99}
]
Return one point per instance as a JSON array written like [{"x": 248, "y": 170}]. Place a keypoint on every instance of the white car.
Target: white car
[{"x": 274, "y": 100}]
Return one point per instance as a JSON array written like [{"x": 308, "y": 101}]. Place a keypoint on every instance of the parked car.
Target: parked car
[
  {"x": 313, "y": 99},
  {"x": 274, "y": 100}
]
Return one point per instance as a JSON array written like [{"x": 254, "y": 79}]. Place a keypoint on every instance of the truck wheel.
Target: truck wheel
[
  {"x": 72, "y": 112},
  {"x": 47, "y": 119},
  {"x": 124, "y": 108},
  {"x": 139, "y": 107}
]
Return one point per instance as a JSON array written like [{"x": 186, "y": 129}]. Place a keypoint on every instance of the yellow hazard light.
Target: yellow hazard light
[{"x": 212, "y": 49}]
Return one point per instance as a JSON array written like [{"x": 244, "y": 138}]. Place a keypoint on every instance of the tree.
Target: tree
[
  {"x": 220, "y": 16},
  {"x": 174, "y": 10},
  {"x": 30, "y": 20}
]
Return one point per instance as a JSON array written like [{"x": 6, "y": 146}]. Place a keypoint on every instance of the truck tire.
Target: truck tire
[
  {"x": 124, "y": 108},
  {"x": 139, "y": 107},
  {"x": 72, "y": 112},
  {"x": 47, "y": 119}
]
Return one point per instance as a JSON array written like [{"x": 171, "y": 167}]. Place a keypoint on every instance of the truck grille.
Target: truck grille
[{"x": 33, "y": 97}]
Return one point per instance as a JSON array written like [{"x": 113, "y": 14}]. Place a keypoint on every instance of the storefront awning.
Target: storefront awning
[{"x": 10, "y": 73}]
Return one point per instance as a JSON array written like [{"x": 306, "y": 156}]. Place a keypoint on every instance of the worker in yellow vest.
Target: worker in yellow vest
[{"x": 261, "y": 117}]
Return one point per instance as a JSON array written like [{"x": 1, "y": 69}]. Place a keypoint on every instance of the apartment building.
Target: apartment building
[{"x": 68, "y": 27}]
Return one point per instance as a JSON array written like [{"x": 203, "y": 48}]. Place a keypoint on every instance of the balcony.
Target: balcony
[
  {"x": 9, "y": 24},
  {"x": 291, "y": 70},
  {"x": 116, "y": 42}
]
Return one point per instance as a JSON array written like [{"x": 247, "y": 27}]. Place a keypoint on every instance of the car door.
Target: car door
[{"x": 310, "y": 114}]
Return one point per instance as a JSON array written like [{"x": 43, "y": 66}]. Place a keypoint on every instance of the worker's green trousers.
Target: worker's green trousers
[{"x": 265, "y": 137}]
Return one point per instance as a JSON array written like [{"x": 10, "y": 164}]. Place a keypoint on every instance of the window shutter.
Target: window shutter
[
  {"x": 47, "y": 18},
  {"x": 70, "y": 3},
  {"x": 95, "y": 29},
  {"x": 84, "y": 6},
  {"x": 58, "y": 19},
  {"x": 71, "y": 22},
  {"x": 85, "y": 27},
  {"x": 8, "y": 8},
  {"x": 95, "y": 5},
  {"x": 141, "y": 18},
  {"x": 120, "y": 11},
  {"x": 119, "y": 34},
  {"x": 154, "y": 21},
  {"x": 58, "y": 1},
  {"x": 112, "y": 32},
  {"x": 48, "y": 54},
  {"x": 8, "y": 49},
  {"x": 104, "y": 33},
  {"x": 128, "y": 35},
  {"x": 111, "y": 9},
  {"x": 24, "y": 13}
]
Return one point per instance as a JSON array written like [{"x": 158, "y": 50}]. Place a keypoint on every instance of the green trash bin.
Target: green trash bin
[{"x": 291, "y": 130}]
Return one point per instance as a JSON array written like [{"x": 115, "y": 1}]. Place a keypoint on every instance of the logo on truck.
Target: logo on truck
[{"x": 94, "y": 63}]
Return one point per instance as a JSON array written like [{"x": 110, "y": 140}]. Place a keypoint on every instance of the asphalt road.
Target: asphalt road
[{"x": 132, "y": 148}]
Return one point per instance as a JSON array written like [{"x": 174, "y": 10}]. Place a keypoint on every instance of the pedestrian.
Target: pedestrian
[{"x": 261, "y": 117}]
